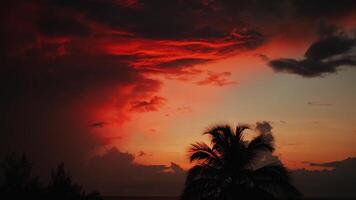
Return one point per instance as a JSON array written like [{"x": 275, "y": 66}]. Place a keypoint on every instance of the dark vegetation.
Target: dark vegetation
[
  {"x": 17, "y": 182},
  {"x": 228, "y": 169}
]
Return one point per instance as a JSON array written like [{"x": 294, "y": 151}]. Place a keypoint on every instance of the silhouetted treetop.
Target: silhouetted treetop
[{"x": 228, "y": 168}]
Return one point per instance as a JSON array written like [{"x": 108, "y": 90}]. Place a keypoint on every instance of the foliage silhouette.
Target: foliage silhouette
[
  {"x": 228, "y": 169},
  {"x": 17, "y": 180},
  {"x": 61, "y": 186},
  {"x": 18, "y": 183}
]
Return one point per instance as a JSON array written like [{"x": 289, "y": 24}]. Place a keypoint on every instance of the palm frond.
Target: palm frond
[
  {"x": 239, "y": 132},
  {"x": 202, "y": 171},
  {"x": 263, "y": 142},
  {"x": 221, "y": 137},
  {"x": 202, "y": 152}
]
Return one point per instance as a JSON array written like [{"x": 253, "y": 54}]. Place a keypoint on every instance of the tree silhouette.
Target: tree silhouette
[
  {"x": 62, "y": 187},
  {"x": 228, "y": 169},
  {"x": 17, "y": 180}
]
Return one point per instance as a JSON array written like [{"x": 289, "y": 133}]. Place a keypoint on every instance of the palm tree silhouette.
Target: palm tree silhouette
[{"x": 228, "y": 169}]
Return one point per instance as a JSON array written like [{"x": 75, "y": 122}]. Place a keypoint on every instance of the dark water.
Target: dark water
[{"x": 141, "y": 198}]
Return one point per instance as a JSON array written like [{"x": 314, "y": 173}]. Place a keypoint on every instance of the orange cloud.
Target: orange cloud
[{"x": 216, "y": 79}]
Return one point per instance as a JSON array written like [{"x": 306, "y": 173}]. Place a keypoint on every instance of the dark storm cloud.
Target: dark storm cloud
[
  {"x": 324, "y": 9},
  {"x": 53, "y": 24},
  {"x": 48, "y": 105},
  {"x": 51, "y": 86},
  {"x": 63, "y": 78},
  {"x": 154, "y": 19},
  {"x": 337, "y": 182},
  {"x": 332, "y": 51},
  {"x": 120, "y": 175}
]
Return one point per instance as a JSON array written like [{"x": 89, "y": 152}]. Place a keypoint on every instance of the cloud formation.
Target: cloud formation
[
  {"x": 331, "y": 51},
  {"x": 98, "y": 124},
  {"x": 69, "y": 66},
  {"x": 264, "y": 127},
  {"x": 317, "y": 103},
  {"x": 147, "y": 106},
  {"x": 337, "y": 182},
  {"x": 119, "y": 175},
  {"x": 216, "y": 79}
]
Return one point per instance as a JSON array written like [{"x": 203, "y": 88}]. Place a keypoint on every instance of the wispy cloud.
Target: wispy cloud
[
  {"x": 217, "y": 79},
  {"x": 153, "y": 104},
  {"x": 99, "y": 124},
  {"x": 318, "y": 103}
]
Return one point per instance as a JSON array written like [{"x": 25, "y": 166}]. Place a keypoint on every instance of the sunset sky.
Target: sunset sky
[{"x": 148, "y": 77}]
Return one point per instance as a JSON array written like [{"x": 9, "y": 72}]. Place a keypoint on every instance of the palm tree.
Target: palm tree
[{"x": 228, "y": 169}]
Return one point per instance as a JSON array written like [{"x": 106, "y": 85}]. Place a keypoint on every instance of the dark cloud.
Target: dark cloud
[
  {"x": 323, "y": 9},
  {"x": 157, "y": 19},
  {"x": 48, "y": 101},
  {"x": 98, "y": 124},
  {"x": 216, "y": 79},
  {"x": 306, "y": 68},
  {"x": 333, "y": 50},
  {"x": 263, "y": 57},
  {"x": 142, "y": 153},
  {"x": 53, "y": 23},
  {"x": 337, "y": 182},
  {"x": 119, "y": 175},
  {"x": 200, "y": 18},
  {"x": 330, "y": 46},
  {"x": 346, "y": 164}
]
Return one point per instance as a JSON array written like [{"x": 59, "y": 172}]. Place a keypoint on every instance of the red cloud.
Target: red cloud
[
  {"x": 175, "y": 56},
  {"x": 216, "y": 79},
  {"x": 148, "y": 105}
]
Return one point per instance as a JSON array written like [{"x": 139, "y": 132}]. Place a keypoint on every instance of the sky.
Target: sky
[{"x": 130, "y": 84}]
